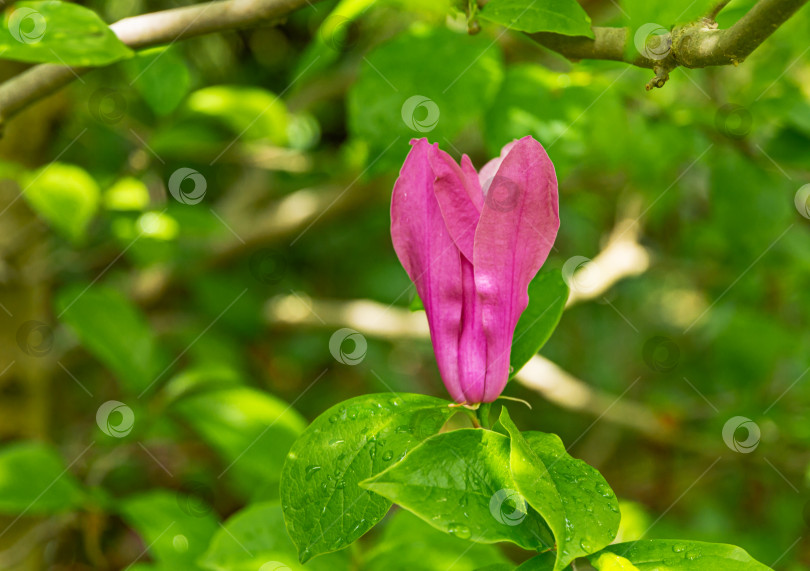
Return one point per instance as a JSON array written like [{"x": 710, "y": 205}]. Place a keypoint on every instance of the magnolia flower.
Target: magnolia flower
[{"x": 471, "y": 242}]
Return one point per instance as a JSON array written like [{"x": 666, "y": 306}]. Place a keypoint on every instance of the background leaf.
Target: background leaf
[
  {"x": 174, "y": 536},
  {"x": 66, "y": 196},
  {"x": 114, "y": 330},
  {"x": 256, "y": 536},
  {"x": 559, "y": 16},
  {"x": 453, "y": 77},
  {"x": 250, "y": 430},
  {"x": 58, "y": 32},
  {"x": 34, "y": 480}
]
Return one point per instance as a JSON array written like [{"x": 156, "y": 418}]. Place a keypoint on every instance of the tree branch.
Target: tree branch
[
  {"x": 698, "y": 44},
  {"x": 147, "y": 30}
]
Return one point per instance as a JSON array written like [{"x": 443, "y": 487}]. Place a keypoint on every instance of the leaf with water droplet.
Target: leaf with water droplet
[
  {"x": 547, "y": 476},
  {"x": 674, "y": 555},
  {"x": 461, "y": 478},
  {"x": 347, "y": 441}
]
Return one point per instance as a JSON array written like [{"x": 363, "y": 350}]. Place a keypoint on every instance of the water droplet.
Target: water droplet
[
  {"x": 334, "y": 418},
  {"x": 585, "y": 545},
  {"x": 604, "y": 490},
  {"x": 396, "y": 402},
  {"x": 388, "y": 455},
  {"x": 340, "y": 485},
  {"x": 678, "y": 547},
  {"x": 335, "y": 442},
  {"x": 459, "y": 530},
  {"x": 692, "y": 555},
  {"x": 404, "y": 429},
  {"x": 614, "y": 508},
  {"x": 310, "y": 471}
]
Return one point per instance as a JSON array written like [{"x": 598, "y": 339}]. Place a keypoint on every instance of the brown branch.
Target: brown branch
[
  {"x": 698, "y": 44},
  {"x": 148, "y": 30}
]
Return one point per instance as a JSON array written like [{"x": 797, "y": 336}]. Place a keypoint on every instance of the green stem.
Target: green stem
[{"x": 483, "y": 414}]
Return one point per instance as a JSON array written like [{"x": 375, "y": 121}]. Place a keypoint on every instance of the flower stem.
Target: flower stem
[{"x": 483, "y": 414}]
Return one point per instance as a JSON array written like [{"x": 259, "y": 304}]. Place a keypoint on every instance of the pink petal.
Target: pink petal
[
  {"x": 460, "y": 199},
  {"x": 431, "y": 258},
  {"x": 517, "y": 229},
  {"x": 488, "y": 171},
  {"x": 472, "y": 346}
]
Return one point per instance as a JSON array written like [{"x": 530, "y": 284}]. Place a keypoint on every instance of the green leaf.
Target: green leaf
[
  {"x": 613, "y": 562},
  {"x": 161, "y": 76},
  {"x": 542, "y": 562},
  {"x": 252, "y": 113},
  {"x": 548, "y": 293},
  {"x": 254, "y": 537},
  {"x": 559, "y": 16},
  {"x": 324, "y": 507},
  {"x": 113, "y": 329},
  {"x": 172, "y": 534},
  {"x": 424, "y": 83},
  {"x": 65, "y": 196},
  {"x": 576, "y": 502},
  {"x": 60, "y": 33},
  {"x": 34, "y": 481},
  {"x": 459, "y": 482},
  {"x": 675, "y": 555},
  {"x": 251, "y": 431},
  {"x": 409, "y": 544}
]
